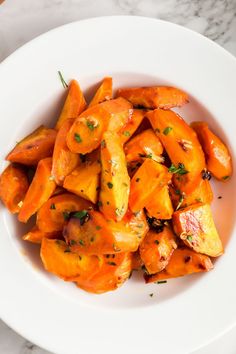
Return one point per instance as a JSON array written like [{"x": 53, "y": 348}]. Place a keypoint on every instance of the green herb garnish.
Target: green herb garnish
[
  {"x": 91, "y": 125},
  {"x": 156, "y": 242},
  {"x": 167, "y": 130},
  {"x": 64, "y": 84},
  {"x": 126, "y": 133},
  {"x": 225, "y": 178},
  {"x": 181, "y": 199},
  {"x": 98, "y": 227},
  {"x": 161, "y": 282},
  {"x": 189, "y": 238},
  {"x": 66, "y": 215},
  {"x": 180, "y": 170},
  {"x": 80, "y": 214},
  {"x": 78, "y": 138},
  {"x": 53, "y": 206},
  {"x": 110, "y": 185},
  {"x": 103, "y": 144},
  {"x": 81, "y": 242},
  {"x": 111, "y": 263}
]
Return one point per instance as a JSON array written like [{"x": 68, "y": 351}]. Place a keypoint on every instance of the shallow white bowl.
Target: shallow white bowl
[{"x": 183, "y": 314}]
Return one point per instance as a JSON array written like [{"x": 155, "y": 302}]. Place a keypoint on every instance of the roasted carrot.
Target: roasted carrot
[
  {"x": 13, "y": 187},
  {"x": 53, "y": 215},
  {"x": 104, "y": 92},
  {"x": 90, "y": 233},
  {"x": 132, "y": 125},
  {"x": 218, "y": 158},
  {"x": 150, "y": 177},
  {"x": 85, "y": 135},
  {"x": 58, "y": 259},
  {"x": 156, "y": 249},
  {"x": 75, "y": 104},
  {"x": 182, "y": 146},
  {"x": 195, "y": 226},
  {"x": 34, "y": 147},
  {"x": 154, "y": 97},
  {"x": 63, "y": 161},
  {"x": 84, "y": 181},
  {"x": 182, "y": 262},
  {"x": 143, "y": 145},
  {"x": 35, "y": 235},
  {"x": 40, "y": 190},
  {"x": 115, "y": 182},
  {"x": 160, "y": 206},
  {"x": 115, "y": 270}
]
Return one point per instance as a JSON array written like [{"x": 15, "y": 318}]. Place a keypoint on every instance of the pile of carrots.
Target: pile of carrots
[{"x": 119, "y": 184}]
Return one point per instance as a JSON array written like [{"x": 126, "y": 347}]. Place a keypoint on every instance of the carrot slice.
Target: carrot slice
[
  {"x": 34, "y": 147},
  {"x": 40, "y": 190},
  {"x": 182, "y": 146},
  {"x": 145, "y": 144},
  {"x": 218, "y": 158},
  {"x": 156, "y": 249},
  {"x": 115, "y": 182},
  {"x": 154, "y": 97},
  {"x": 84, "y": 181},
  {"x": 90, "y": 233},
  {"x": 63, "y": 161},
  {"x": 85, "y": 135},
  {"x": 54, "y": 214},
  {"x": 182, "y": 262},
  {"x": 75, "y": 104},
  {"x": 115, "y": 270},
  {"x": 150, "y": 177},
  {"x": 104, "y": 92},
  {"x": 35, "y": 235},
  {"x": 201, "y": 194},
  {"x": 59, "y": 260},
  {"x": 160, "y": 206},
  {"x": 195, "y": 226},
  {"x": 13, "y": 187},
  {"x": 132, "y": 125}
]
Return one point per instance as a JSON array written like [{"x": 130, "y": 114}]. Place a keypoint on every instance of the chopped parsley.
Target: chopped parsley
[
  {"x": 167, "y": 130},
  {"x": 64, "y": 84},
  {"x": 161, "y": 282},
  {"x": 99, "y": 203},
  {"x": 80, "y": 214},
  {"x": 189, "y": 238},
  {"x": 81, "y": 242},
  {"x": 98, "y": 227},
  {"x": 126, "y": 133},
  {"x": 180, "y": 170},
  {"x": 66, "y": 215},
  {"x": 181, "y": 199},
  {"x": 112, "y": 263},
  {"x": 225, "y": 178},
  {"x": 72, "y": 242},
  {"x": 199, "y": 200},
  {"x": 91, "y": 125},
  {"x": 53, "y": 206},
  {"x": 110, "y": 185},
  {"x": 78, "y": 138},
  {"x": 103, "y": 144},
  {"x": 156, "y": 242}
]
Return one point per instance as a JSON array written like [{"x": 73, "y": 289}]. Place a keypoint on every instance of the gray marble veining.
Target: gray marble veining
[{"x": 22, "y": 20}]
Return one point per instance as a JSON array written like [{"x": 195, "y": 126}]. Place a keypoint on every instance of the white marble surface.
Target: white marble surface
[{"x": 23, "y": 20}]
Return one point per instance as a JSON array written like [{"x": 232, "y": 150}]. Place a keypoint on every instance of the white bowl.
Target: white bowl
[{"x": 183, "y": 314}]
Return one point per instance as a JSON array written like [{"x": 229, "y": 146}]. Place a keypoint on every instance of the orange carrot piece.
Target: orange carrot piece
[
  {"x": 132, "y": 125},
  {"x": 181, "y": 144},
  {"x": 75, "y": 104},
  {"x": 52, "y": 216},
  {"x": 104, "y": 92},
  {"x": 160, "y": 206},
  {"x": 13, "y": 187},
  {"x": 63, "y": 161},
  {"x": 114, "y": 271},
  {"x": 35, "y": 235},
  {"x": 156, "y": 249},
  {"x": 143, "y": 145},
  {"x": 182, "y": 262},
  {"x": 85, "y": 135},
  {"x": 34, "y": 147},
  {"x": 40, "y": 190},
  {"x": 59, "y": 260},
  {"x": 150, "y": 177},
  {"x": 154, "y": 97},
  {"x": 218, "y": 158}
]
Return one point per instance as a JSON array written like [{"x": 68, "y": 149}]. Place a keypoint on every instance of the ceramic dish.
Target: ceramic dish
[{"x": 183, "y": 314}]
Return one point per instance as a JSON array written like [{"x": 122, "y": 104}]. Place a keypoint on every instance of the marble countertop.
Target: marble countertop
[{"x": 21, "y": 21}]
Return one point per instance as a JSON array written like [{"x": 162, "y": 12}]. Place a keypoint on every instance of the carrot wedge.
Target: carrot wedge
[
  {"x": 75, "y": 104},
  {"x": 182, "y": 146},
  {"x": 63, "y": 161},
  {"x": 40, "y": 190},
  {"x": 34, "y": 147},
  {"x": 154, "y": 97},
  {"x": 160, "y": 206},
  {"x": 13, "y": 187},
  {"x": 53, "y": 214},
  {"x": 132, "y": 125},
  {"x": 104, "y": 92},
  {"x": 35, "y": 235},
  {"x": 218, "y": 158},
  {"x": 59, "y": 260},
  {"x": 182, "y": 262}
]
